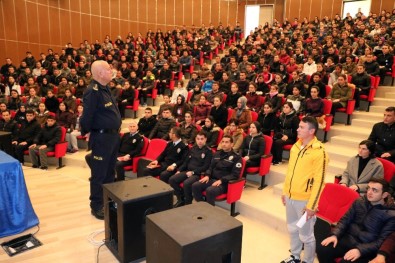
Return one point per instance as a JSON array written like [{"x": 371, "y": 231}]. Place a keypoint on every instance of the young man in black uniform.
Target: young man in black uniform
[
  {"x": 197, "y": 161},
  {"x": 131, "y": 145},
  {"x": 172, "y": 157},
  {"x": 225, "y": 166},
  {"x": 163, "y": 126},
  {"x": 25, "y": 135},
  {"x": 102, "y": 119}
]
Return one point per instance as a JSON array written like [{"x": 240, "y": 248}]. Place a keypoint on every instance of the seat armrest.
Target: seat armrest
[{"x": 235, "y": 188}]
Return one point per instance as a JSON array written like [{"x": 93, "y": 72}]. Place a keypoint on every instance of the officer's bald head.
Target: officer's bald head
[{"x": 101, "y": 72}]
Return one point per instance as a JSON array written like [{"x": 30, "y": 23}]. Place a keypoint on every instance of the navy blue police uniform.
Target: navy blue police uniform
[
  {"x": 101, "y": 118},
  {"x": 225, "y": 166}
]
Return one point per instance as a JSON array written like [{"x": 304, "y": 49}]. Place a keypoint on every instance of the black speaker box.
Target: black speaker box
[
  {"x": 126, "y": 205},
  {"x": 5, "y": 142},
  {"x": 197, "y": 233}
]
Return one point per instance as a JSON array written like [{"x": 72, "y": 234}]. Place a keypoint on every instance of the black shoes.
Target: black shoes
[
  {"x": 179, "y": 203},
  {"x": 99, "y": 214},
  {"x": 44, "y": 167}
]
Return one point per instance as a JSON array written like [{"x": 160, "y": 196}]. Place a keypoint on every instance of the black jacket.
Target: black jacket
[
  {"x": 173, "y": 154},
  {"x": 198, "y": 160},
  {"x": 384, "y": 136},
  {"x": 220, "y": 116},
  {"x": 287, "y": 125},
  {"x": 162, "y": 128},
  {"x": 361, "y": 81},
  {"x": 11, "y": 126},
  {"x": 366, "y": 226},
  {"x": 48, "y": 136},
  {"x": 225, "y": 166},
  {"x": 372, "y": 68},
  {"x": 267, "y": 122},
  {"x": 146, "y": 125},
  {"x": 253, "y": 147},
  {"x": 27, "y": 132},
  {"x": 131, "y": 144}
]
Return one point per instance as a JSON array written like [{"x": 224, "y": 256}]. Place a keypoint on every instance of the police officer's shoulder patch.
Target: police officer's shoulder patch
[
  {"x": 238, "y": 165},
  {"x": 231, "y": 158}
]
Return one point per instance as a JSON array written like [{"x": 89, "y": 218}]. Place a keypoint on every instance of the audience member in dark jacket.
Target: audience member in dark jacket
[
  {"x": 51, "y": 102},
  {"x": 126, "y": 98},
  {"x": 64, "y": 117},
  {"x": 253, "y": 147},
  {"x": 45, "y": 142},
  {"x": 383, "y": 135},
  {"x": 163, "y": 126},
  {"x": 147, "y": 123},
  {"x": 274, "y": 99},
  {"x": 219, "y": 113},
  {"x": 361, "y": 231},
  {"x": 233, "y": 96},
  {"x": 8, "y": 125},
  {"x": 212, "y": 132},
  {"x": 361, "y": 80},
  {"x": 285, "y": 132},
  {"x": 267, "y": 119},
  {"x": 25, "y": 135}
]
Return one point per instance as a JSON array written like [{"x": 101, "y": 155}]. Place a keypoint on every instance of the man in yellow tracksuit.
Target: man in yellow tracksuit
[{"x": 302, "y": 188}]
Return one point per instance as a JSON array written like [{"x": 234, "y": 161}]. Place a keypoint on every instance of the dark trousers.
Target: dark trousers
[
  {"x": 119, "y": 168},
  {"x": 184, "y": 193},
  {"x": 122, "y": 108},
  {"x": 102, "y": 163},
  {"x": 19, "y": 151},
  {"x": 211, "y": 191},
  {"x": 277, "y": 149},
  {"x": 328, "y": 254},
  {"x": 335, "y": 106},
  {"x": 161, "y": 171}
]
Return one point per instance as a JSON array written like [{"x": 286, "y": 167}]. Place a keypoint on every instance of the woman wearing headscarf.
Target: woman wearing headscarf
[{"x": 242, "y": 113}]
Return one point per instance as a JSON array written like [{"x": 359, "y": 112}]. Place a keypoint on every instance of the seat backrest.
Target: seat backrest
[
  {"x": 268, "y": 144},
  {"x": 230, "y": 113},
  {"x": 389, "y": 169},
  {"x": 63, "y": 135},
  {"x": 327, "y": 106},
  {"x": 372, "y": 81},
  {"x": 335, "y": 200},
  {"x": 220, "y": 135},
  {"x": 145, "y": 146},
  {"x": 254, "y": 115},
  {"x": 155, "y": 148},
  {"x": 328, "y": 90},
  {"x": 224, "y": 96}
]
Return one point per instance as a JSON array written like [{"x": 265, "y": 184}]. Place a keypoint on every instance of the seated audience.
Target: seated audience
[
  {"x": 162, "y": 127},
  {"x": 126, "y": 98},
  {"x": 267, "y": 119},
  {"x": 361, "y": 168},
  {"x": 42, "y": 114},
  {"x": 75, "y": 131},
  {"x": 219, "y": 113},
  {"x": 173, "y": 156},
  {"x": 253, "y": 147},
  {"x": 226, "y": 165},
  {"x": 25, "y": 136},
  {"x": 180, "y": 108},
  {"x": 130, "y": 146},
  {"x": 197, "y": 162},
  {"x": 360, "y": 232},
  {"x": 44, "y": 142},
  {"x": 236, "y": 133},
  {"x": 147, "y": 122},
  {"x": 188, "y": 129},
  {"x": 202, "y": 110},
  {"x": 383, "y": 135},
  {"x": 242, "y": 113},
  {"x": 212, "y": 131}
]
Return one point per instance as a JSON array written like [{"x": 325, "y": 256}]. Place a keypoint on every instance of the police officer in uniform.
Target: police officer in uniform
[
  {"x": 196, "y": 163},
  {"x": 225, "y": 166},
  {"x": 172, "y": 157},
  {"x": 101, "y": 118},
  {"x": 131, "y": 145}
]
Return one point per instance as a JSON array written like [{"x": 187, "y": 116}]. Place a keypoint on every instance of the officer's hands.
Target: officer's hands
[
  {"x": 14, "y": 142},
  {"x": 217, "y": 183},
  {"x": 152, "y": 164},
  {"x": 23, "y": 143},
  {"x": 352, "y": 254},
  {"x": 189, "y": 173},
  {"x": 204, "y": 179},
  {"x": 246, "y": 158},
  {"x": 32, "y": 146},
  {"x": 42, "y": 147},
  {"x": 170, "y": 168}
]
